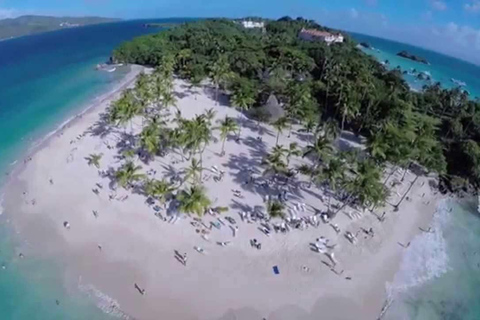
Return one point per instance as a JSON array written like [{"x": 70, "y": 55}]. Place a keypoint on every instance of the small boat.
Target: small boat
[{"x": 111, "y": 70}]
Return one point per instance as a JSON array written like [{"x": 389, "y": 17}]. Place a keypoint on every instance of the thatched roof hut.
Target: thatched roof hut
[{"x": 271, "y": 111}]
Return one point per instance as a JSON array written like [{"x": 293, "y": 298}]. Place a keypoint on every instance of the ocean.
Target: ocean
[
  {"x": 47, "y": 78},
  {"x": 442, "y": 68},
  {"x": 440, "y": 272},
  {"x": 44, "y": 80}
]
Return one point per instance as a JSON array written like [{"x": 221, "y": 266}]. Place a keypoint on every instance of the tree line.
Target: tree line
[{"x": 328, "y": 89}]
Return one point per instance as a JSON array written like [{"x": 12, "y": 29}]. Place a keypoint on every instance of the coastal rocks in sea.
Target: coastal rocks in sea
[
  {"x": 365, "y": 45},
  {"x": 424, "y": 75},
  {"x": 406, "y": 55}
]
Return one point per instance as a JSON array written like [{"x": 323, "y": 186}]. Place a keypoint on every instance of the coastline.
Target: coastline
[
  {"x": 90, "y": 106},
  {"x": 370, "y": 263}
]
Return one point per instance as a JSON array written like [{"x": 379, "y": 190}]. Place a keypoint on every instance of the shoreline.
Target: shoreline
[
  {"x": 36, "y": 145},
  {"x": 130, "y": 233}
]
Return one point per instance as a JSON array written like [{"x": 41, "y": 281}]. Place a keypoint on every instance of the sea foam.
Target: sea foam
[
  {"x": 107, "y": 304},
  {"x": 426, "y": 258}
]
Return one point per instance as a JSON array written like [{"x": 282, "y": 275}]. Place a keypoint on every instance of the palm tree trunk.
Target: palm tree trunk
[
  {"x": 343, "y": 120},
  {"x": 405, "y": 172},
  {"x": 223, "y": 146},
  {"x": 406, "y": 193},
  {"x": 216, "y": 93},
  {"x": 346, "y": 203},
  {"x": 278, "y": 136}
]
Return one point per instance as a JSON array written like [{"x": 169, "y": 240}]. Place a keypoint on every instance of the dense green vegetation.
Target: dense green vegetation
[
  {"x": 25, "y": 25},
  {"x": 327, "y": 89}
]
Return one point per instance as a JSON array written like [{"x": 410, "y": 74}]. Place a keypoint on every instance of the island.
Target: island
[
  {"x": 160, "y": 25},
  {"x": 32, "y": 24},
  {"x": 249, "y": 178},
  {"x": 406, "y": 55}
]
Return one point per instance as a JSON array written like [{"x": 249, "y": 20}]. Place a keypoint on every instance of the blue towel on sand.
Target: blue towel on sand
[{"x": 275, "y": 270}]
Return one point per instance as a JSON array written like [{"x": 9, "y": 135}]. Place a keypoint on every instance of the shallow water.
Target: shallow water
[
  {"x": 440, "y": 272},
  {"x": 44, "y": 80}
]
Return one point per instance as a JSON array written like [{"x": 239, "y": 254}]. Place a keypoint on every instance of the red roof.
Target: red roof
[{"x": 316, "y": 33}]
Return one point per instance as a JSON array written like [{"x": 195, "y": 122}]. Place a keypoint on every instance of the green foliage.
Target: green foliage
[
  {"x": 227, "y": 126},
  {"x": 158, "y": 189},
  {"x": 127, "y": 174},
  {"x": 193, "y": 200},
  {"x": 275, "y": 209},
  {"x": 330, "y": 87}
]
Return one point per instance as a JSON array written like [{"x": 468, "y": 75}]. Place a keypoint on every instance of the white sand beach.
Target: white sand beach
[{"x": 124, "y": 243}]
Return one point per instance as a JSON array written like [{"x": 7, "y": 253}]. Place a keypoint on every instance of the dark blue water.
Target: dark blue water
[{"x": 442, "y": 68}]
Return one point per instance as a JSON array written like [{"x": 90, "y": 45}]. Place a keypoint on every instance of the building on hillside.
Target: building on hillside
[
  {"x": 316, "y": 35},
  {"x": 248, "y": 24}
]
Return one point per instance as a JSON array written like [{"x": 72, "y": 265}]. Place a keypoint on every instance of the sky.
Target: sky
[{"x": 447, "y": 26}]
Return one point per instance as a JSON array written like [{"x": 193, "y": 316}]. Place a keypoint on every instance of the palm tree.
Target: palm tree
[
  {"x": 275, "y": 209},
  {"x": 320, "y": 150},
  {"x": 220, "y": 73},
  {"x": 124, "y": 109},
  {"x": 310, "y": 171},
  {"x": 127, "y": 174},
  {"x": 94, "y": 159},
  {"x": 143, "y": 89},
  {"x": 331, "y": 129},
  {"x": 193, "y": 200},
  {"x": 183, "y": 55},
  {"x": 273, "y": 162},
  {"x": 169, "y": 100},
  {"x": 281, "y": 124},
  {"x": 196, "y": 82},
  {"x": 150, "y": 138},
  {"x": 158, "y": 189},
  {"x": 334, "y": 174},
  {"x": 210, "y": 115},
  {"x": 365, "y": 186},
  {"x": 227, "y": 126},
  {"x": 194, "y": 171},
  {"x": 243, "y": 98},
  {"x": 292, "y": 151}
]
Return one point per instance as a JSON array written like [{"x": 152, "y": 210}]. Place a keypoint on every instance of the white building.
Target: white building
[
  {"x": 316, "y": 35},
  {"x": 252, "y": 24}
]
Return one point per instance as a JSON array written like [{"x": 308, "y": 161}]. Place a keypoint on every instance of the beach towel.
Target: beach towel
[{"x": 275, "y": 270}]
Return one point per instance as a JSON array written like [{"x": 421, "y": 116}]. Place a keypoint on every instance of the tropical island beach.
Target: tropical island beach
[{"x": 200, "y": 189}]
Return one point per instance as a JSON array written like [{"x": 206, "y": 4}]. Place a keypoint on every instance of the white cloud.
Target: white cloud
[
  {"x": 473, "y": 7},
  {"x": 453, "y": 39},
  {"x": 438, "y": 5},
  {"x": 7, "y": 13}
]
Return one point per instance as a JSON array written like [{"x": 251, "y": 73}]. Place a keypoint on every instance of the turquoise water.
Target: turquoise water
[
  {"x": 442, "y": 68},
  {"x": 45, "y": 79},
  {"x": 440, "y": 272}
]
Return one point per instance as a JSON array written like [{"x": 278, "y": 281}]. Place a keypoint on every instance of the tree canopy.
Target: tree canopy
[{"x": 333, "y": 86}]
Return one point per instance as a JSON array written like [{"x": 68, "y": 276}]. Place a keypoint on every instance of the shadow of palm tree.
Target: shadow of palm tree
[
  {"x": 102, "y": 127},
  {"x": 223, "y": 99}
]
